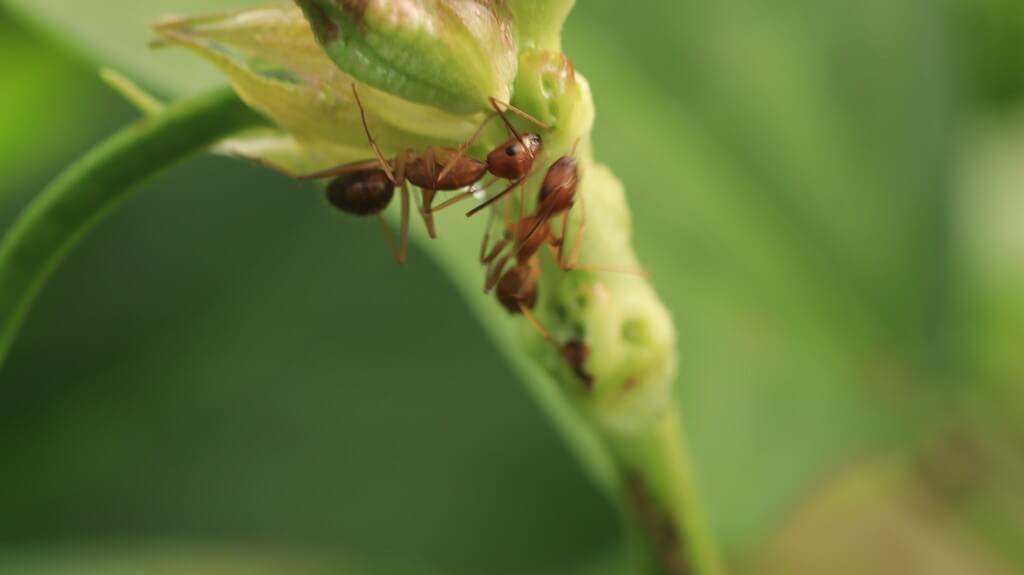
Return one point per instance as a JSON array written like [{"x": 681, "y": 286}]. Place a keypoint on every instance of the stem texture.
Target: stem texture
[{"x": 81, "y": 195}]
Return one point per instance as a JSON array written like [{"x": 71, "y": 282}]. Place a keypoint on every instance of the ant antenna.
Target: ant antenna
[
  {"x": 497, "y": 104},
  {"x": 369, "y": 136}
]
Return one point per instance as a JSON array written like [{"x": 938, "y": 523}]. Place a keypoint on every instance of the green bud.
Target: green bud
[{"x": 452, "y": 54}]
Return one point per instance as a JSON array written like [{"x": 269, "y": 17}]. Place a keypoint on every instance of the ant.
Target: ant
[
  {"x": 366, "y": 187},
  {"x": 517, "y": 291},
  {"x": 517, "y": 287}
]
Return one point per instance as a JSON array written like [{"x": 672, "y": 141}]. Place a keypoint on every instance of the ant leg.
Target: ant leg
[
  {"x": 497, "y": 196},
  {"x": 543, "y": 219},
  {"x": 451, "y": 201},
  {"x": 557, "y": 246},
  {"x": 509, "y": 221},
  {"x": 338, "y": 170},
  {"x": 390, "y": 239},
  {"x": 494, "y": 273},
  {"x": 487, "y": 237},
  {"x": 528, "y": 314},
  {"x": 369, "y": 136},
  {"x": 498, "y": 247},
  {"x": 498, "y": 104},
  {"x": 580, "y": 231},
  {"x": 489, "y": 255},
  {"x": 462, "y": 149},
  {"x": 577, "y": 245},
  {"x": 403, "y": 249},
  {"x": 429, "y": 193},
  {"x": 577, "y": 242},
  {"x": 463, "y": 195},
  {"x": 428, "y": 213},
  {"x": 530, "y": 317}
]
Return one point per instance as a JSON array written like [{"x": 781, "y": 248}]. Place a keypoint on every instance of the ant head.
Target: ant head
[
  {"x": 558, "y": 191},
  {"x": 361, "y": 193},
  {"x": 513, "y": 159}
]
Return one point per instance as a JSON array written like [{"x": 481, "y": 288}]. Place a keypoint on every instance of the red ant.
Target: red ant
[
  {"x": 366, "y": 187},
  {"x": 517, "y": 291},
  {"x": 517, "y": 287}
]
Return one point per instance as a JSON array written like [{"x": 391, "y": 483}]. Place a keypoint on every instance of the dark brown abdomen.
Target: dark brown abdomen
[{"x": 362, "y": 193}]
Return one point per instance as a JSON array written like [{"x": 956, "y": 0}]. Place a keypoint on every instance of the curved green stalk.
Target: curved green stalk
[{"x": 81, "y": 195}]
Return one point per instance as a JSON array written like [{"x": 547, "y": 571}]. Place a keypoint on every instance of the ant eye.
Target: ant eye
[{"x": 510, "y": 151}]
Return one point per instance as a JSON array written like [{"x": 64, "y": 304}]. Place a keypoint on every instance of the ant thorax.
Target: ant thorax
[{"x": 444, "y": 169}]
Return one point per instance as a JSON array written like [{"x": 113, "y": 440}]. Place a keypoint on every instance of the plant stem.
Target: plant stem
[
  {"x": 92, "y": 186},
  {"x": 660, "y": 498}
]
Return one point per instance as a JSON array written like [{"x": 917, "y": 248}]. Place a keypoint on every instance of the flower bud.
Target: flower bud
[{"x": 452, "y": 54}]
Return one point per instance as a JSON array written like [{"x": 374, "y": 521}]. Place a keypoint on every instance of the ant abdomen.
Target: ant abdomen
[
  {"x": 361, "y": 193},
  {"x": 517, "y": 288}
]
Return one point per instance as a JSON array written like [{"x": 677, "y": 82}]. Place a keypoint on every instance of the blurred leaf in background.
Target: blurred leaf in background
[
  {"x": 36, "y": 111},
  {"x": 829, "y": 195}
]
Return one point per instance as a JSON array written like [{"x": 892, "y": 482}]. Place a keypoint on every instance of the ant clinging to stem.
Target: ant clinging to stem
[
  {"x": 366, "y": 187},
  {"x": 517, "y": 286}
]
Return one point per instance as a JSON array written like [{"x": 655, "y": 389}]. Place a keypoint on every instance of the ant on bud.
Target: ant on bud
[{"x": 366, "y": 187}]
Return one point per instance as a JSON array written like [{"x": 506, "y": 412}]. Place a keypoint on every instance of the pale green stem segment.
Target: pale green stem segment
[
  {"x": 80, "y": 196},
  {"x": 661, "y": 500}
]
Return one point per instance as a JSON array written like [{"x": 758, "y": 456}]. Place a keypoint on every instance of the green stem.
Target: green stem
[
  {"x": 93, "y": 185},
  {"x": 661, "y": 499}
]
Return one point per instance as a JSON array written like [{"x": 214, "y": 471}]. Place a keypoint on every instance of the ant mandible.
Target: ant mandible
[{"x": 366, "y": 187}]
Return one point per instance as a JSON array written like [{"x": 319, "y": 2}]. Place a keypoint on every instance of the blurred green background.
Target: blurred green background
[{"x": 227, "y": 376}]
